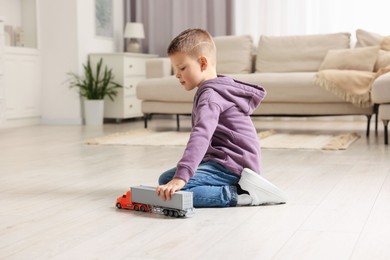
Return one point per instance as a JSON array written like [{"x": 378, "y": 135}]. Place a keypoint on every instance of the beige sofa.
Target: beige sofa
[
  {"x": 286, "y": 66},
  {"x": 380, "y": 94}
]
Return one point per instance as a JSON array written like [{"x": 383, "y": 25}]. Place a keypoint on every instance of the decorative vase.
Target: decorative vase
[{"x": 93, "y": 112}]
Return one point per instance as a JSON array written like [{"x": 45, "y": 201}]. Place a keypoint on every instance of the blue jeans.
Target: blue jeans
[{"x": 212, "y": 185}]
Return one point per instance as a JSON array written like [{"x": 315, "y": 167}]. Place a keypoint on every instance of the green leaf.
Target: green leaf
[{"x": 95, "y": 83}]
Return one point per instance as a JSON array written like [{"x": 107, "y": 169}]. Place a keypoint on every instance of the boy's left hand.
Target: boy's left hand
[{"x": 166, "y": 191}]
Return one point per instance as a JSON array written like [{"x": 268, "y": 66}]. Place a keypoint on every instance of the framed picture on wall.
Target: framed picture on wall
[{"x": 104, "y": 25}]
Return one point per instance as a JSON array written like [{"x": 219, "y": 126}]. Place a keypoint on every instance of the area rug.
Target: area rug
[{"x": 269, "y": 140}]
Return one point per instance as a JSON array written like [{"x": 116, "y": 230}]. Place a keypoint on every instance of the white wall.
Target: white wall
[
  {"x": 88, "y": 42},
  {"x": 66, "y": 36}
]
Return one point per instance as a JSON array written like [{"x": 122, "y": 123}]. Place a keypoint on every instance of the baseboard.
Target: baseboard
[
  {"x": 20, "y": 122},
  {"x": 61, "y": 121}
]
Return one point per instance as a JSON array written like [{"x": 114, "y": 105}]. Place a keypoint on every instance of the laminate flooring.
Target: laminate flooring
[{"x": 57, "y": 198}]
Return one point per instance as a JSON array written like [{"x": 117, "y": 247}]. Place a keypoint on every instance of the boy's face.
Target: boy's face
[{"x": 187, "y": 69}]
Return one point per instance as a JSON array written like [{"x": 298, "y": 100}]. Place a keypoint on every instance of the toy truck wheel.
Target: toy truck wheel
[
  {"x": 118, "y": 205},
  {"x": 143, "y": 208},
  {"x": 175, "y": 214},
  {"x": 166, "y": 212},
  {"x": 136, "y": 208}
]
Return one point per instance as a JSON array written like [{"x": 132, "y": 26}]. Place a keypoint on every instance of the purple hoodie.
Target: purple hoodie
[{"x": 222, "y": 130}]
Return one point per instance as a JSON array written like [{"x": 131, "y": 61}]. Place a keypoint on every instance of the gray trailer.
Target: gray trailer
[{"x": 180, "y": 205}]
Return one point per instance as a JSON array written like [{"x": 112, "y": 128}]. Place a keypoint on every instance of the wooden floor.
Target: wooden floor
[{"x": 57, "y": 199}]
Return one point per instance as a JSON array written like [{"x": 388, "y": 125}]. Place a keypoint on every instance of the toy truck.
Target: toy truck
[
  {"x": 125, "y": 202},
  {"x": 144, "y": 198}
]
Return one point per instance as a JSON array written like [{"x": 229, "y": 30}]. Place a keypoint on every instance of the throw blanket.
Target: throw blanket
[{"x": 350, "y": 85}]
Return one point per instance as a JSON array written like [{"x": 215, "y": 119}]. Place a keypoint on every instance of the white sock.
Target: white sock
[{"x": 244, "y": 199}]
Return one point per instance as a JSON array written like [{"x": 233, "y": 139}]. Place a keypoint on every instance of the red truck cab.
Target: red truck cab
[{"x": 124, "y": 202}]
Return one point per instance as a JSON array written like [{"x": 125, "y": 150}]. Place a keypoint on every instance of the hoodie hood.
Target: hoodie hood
[{"x": 244, "y": 95}]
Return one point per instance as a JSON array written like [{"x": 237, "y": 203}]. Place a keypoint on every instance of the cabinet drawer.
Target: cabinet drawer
[
  {"x": 130, "y": 85},
  {"x": 132, "y": 107},
  {"x": 134, "y": 66}
]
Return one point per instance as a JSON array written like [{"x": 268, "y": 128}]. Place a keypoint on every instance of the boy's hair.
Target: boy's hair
[{"x": 194, "y": 42}]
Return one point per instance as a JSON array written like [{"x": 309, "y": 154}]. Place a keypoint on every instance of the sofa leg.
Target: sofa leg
[
  {"x": 368, "y": 125},
  {"x": 146, "y": 120},
  {"x": 178, "y": 122},
  {"x": 385, "y": 124},
  {"x": 376, "y": 124},
  {"x": 376, "y": 109}
]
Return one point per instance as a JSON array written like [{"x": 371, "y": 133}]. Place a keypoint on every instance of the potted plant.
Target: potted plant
[{"x": 94, "y": 86}]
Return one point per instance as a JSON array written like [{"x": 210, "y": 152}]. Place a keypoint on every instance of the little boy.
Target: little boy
[{"x": 222, "y": 157}]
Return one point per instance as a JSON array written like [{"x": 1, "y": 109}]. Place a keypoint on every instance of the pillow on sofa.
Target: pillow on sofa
[
  {"x": 385, "y": 43},
  {"x": 384, "y": 54},
  {"x": 365, "y": 38},
  {"x": 383, "y": 60},
  {"x": 302, "y": 53},
  {"x": 351, "y": 59},
  {"x": 234, "y": 54}
]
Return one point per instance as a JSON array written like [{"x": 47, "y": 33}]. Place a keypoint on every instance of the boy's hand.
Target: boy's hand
[{"x": 166, "y": 191}]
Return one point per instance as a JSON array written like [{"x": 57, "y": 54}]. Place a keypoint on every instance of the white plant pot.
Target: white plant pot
[{"x": 93, "y": 112}]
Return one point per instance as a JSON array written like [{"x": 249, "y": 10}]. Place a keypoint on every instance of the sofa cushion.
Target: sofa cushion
[
  {"x": 301, "y": 53},
  {"x": 234, "y": 54},
  {"x": 351, "y": 59},
  {"x": 163, "y": 89},
  {"x": 290, "y": 87}
]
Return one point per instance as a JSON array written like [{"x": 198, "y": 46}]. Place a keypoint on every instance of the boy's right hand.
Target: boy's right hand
[{"x": 167, "y": 190}]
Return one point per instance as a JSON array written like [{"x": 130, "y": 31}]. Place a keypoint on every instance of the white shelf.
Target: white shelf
[
  {"x": 20, "y": 50},
  {"x": 20, "y": 14}
]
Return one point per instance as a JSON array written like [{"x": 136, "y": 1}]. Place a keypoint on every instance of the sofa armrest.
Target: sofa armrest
[
  {"x": 158, "y": 67},
  {"x": 380, "y": 92}
]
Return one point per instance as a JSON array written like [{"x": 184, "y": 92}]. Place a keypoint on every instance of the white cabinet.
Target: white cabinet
[
  {"x": 129, "y": 69},
  {"x": 20, "y": 66},
  {"x": 22, "y": 78}
]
